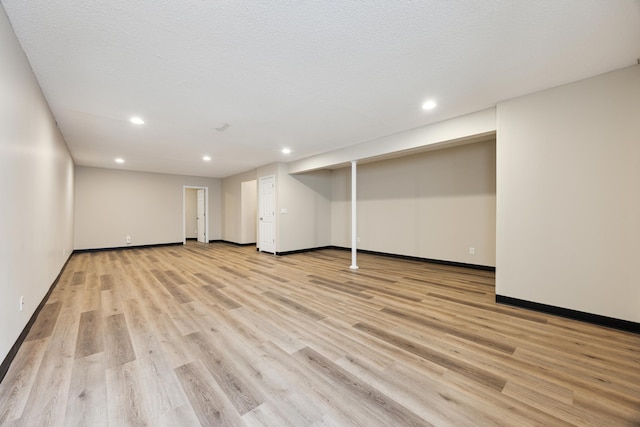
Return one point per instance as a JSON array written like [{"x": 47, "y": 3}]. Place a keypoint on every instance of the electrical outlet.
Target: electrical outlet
[
  {"x": 472, "y": 251},
  {"x": 21, "y": 303},
  {"x": 128, "y": 239}
]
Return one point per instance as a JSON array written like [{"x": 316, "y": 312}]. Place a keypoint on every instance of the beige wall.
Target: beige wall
[
  {"x": 248, "y": 212},
  {"x": 232, "y": 208},
  {"x": 569, "y": 196},
  {"x": 191, "y": 213},
  {"x": 307, "y": 200},
  {"x": 436, "y": 205},
  {"x": 36, "y": 189},
  {"x": 111, "y": 204}
]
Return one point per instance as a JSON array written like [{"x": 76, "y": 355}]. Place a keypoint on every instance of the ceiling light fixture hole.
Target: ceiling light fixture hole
[{"x": 429, "y": 105}]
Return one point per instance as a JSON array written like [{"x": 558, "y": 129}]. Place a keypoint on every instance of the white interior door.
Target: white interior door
[
  {"x": 201, "y": 217},
  {"x": 267, "y": 214}
]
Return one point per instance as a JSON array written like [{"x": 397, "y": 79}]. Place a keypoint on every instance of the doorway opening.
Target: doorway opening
[{"x": 195, "y": 213}]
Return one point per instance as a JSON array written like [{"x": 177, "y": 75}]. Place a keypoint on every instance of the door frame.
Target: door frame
[{"x": 184, "y": 211}]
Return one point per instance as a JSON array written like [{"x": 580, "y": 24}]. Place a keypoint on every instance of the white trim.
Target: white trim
[{"x": 354, "y": 219}]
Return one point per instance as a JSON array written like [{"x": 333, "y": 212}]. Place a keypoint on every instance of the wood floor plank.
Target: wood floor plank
[
  {"x": 220, "y": 297},
  {"x": 17, "y": 384},
  {"x": 217, "y": 334},
  {"x": 117, "y": 341},
  {"x": 423, "y": 321},
  {"x": 370, "y": 397},
  {"x": 178, "y": 293},
  {"x": 210, "y": 406},
  {"x": 89, "y": 334},
  {"x": 126, "y": 396},
  {"x": 87, "y": 392},
  {"x": 43, "y": 327},
  {"x": 92, "y": 294},
  {"x": 110, "y": 302},
  {"x": 261, "y": 330},
  {"x": 437, "y": 403},
  {"x": 287, "y": 392},
  {"x": 78, "y": 278},
  {"x": 230, "y": 380},
  {"x": 106, "y": 282},
  {"x": 294, "y": 305},
  {"x": 209, "y": 280},
  {"x": 464, "y": 368},
  {"x": 182, "y": 416},
  {"x": 47, "y": 401},
  {"x": 156, "y": 373},
  {"x": 323, "y": 392},
  {"x": 172, "y": 342}
]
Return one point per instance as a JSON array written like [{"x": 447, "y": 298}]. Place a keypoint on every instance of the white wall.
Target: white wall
[
  {"x": 111, "y": 204},
  {"x": 191, "y": 213},
  {"x": 435, "y": 204},
  {"x": 568, "y": 162},
  {"x": 36, "y": 189}
]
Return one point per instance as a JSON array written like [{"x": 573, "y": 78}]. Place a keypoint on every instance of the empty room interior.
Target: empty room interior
[{"x": 320, "y": 213}]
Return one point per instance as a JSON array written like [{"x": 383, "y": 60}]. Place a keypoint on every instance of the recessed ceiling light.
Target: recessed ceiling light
[
  {"x": 119, "y": 160},
  {"x": 136, "y": 120},
  {"x": 206, "y": 158},
  {"x": 429, "y": 105},
  {"x": 286, "y": 151}
]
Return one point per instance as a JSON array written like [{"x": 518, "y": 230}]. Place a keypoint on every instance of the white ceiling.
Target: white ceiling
[{"x": 310, "y": 75}]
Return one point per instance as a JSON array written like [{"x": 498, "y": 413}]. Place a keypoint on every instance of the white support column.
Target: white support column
[{"x": 354, "y": 233}]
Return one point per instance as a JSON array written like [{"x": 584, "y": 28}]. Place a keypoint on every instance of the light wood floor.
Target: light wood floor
[{"x": 222, "y": 335}]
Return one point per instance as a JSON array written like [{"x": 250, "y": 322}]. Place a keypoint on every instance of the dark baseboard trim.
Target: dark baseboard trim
[
  {"x": 407, "y": 257},
  {"x": 191, "y": 238},
  {"x": 300, "y": 251},
  {"x": 414, "y": 258},
  {"x": 609, "y": 322},
  {"x": 117, "y": 248},
  {"x": 6, "y": 363},
  {"x": 232, "y": 243}
]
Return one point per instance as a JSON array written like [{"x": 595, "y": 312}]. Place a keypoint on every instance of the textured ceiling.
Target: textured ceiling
[{"x": 310, "y": 75}]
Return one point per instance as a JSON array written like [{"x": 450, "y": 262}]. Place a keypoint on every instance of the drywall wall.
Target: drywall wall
[
  {"x": 112, "y": 204},
  {"x": 36, "y": 189},
  {"x": 303, "y": 210},
  {"x": 233, "y": 209},
  {"x": 191, "y": 213},
  {"x": 303, "y": 207},
  {"x": 248, "y": 213},
  {"x": 568, "y": 180},
  {"x": 437, "y": 205}
]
